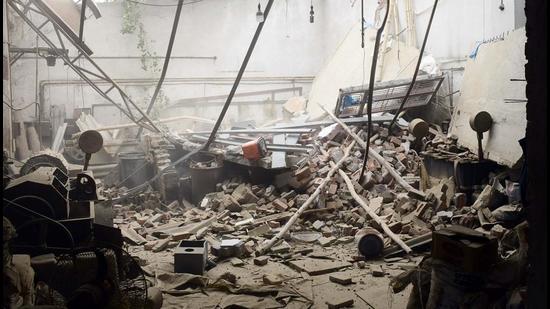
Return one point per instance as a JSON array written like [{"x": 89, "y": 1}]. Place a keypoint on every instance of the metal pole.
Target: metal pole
[
  {"x": 239, "y": 76},
  {"x": 82, "y": 18},
  {"x": 370, "y": 91},
  {"x": 166, "y": 61},
  {"x": 415, "y": 70}
]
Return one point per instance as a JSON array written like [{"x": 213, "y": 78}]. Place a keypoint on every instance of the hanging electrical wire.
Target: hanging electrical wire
[
  {"x": 311, "y": 13},
  {"x": 409, "y": 90},
  {"x": 18, "y": 108},
  {"x": 369, "y": 92},
  {"x": 362, "y": 26}
]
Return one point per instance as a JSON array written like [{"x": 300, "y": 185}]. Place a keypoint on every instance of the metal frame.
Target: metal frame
[
  {"x": 125, "y": 103},
  {"x": 390, "y": 89},
  {"x": 19, "y": 52}
]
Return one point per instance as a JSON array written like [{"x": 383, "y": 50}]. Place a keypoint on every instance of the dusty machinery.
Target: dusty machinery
[{"x": 80, "y": 260}]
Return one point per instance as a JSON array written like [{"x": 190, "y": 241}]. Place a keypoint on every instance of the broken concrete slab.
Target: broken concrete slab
[
  {"x": 341, "y": 278},
  {"x": 326, "y": 241},
  {"x": 340, "y": 302},
  {"x": 261, "y": 260}
]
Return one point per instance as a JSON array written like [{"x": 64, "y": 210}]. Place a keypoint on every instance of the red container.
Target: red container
[{"x": 255, "y": 149}]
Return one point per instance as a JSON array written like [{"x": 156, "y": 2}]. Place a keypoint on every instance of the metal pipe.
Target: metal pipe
[
  {"x": 416, "y": 69},
  {"x": 239, "y": 75},
  {"x": 254, "y": 131},
  {"x": 166, "y": 62},
  {"x": 370, "y": 91}
]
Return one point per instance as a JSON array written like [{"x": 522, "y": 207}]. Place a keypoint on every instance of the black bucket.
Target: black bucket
[
  {"x": 204, "y": 178},
  {"x": 134, "y": 169}
]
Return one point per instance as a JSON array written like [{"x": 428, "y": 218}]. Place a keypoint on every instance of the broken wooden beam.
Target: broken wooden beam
[
  {"x": 266, "y": 246},
  {"x": 371, "y": 213}
]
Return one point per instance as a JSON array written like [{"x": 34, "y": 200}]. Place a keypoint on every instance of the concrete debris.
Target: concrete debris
[
  {"x": 340, "y": 302},
  {"x": 308, "y": 215},
  {"x": 261, "y": 261},
  {"x": 340, "y": 278}
]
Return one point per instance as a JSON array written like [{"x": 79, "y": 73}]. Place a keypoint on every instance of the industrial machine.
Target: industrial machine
[{"x": 80, "y": 260}]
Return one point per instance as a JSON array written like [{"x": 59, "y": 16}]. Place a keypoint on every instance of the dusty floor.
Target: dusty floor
[{"x": 367, "y": 291}]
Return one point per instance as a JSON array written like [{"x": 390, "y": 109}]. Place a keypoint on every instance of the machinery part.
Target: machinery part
[
  {"x": 481, "y": 122},
  {"x": 83, "y": 188},
  {"x": 45, "y": 183},
  {"x": 419, "y": 128},
  {"x": 47, "y": 159},
  {"x": 369, "y": 242},
  {"x": 90, "y": 142}
]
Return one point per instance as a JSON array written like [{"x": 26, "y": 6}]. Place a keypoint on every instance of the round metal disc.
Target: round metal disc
[
  {"x": 90, "y": 141},
  {"x": 481, "y": 122}
]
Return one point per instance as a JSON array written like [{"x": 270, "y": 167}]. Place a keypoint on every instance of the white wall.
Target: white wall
[{"x": 289, "y": 45}]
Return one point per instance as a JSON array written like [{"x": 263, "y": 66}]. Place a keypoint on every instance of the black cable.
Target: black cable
[
  {"x": 415, "y": 71},
  {"x": 166, "y": 62},
  {"x": 239, "y": 76},
  {"x": 70, "y": 236},
  {"x": 370, "y": 90},
  {"x": 18, "y": 108},
  {"x": 362, "y": 27}
]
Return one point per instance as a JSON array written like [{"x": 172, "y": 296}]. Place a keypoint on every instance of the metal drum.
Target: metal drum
[
  {"x": 206, "y": 170},
  {"x": 134, "y": 169},
  {"x": 369, "y": 242}
]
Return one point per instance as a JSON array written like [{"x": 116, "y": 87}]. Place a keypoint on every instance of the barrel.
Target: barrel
[
  {"x": 206, "y": 170},
  {"x": 134, "y": 169},
  {"x": 369, "y": 242}
]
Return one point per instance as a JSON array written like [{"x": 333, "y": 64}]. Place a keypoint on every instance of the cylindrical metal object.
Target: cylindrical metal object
[
  {"x": 418, "y": 127},
  {"x": 206, "y": 171},
  {"x": 369, "y": 242},
  {"x": 133, "y": 169}
]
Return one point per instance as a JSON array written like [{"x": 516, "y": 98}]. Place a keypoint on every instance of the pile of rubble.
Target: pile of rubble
[{"x": 319, "y": 203}]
